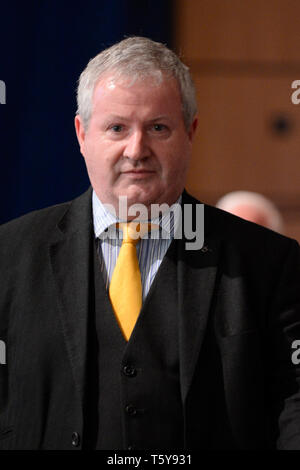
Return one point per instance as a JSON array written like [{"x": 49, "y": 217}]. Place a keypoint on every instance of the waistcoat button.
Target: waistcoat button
[
  {"x": 129, "y": 371},
  {"x": 75, "y": 439},
  {"x": 130, "y": 409}
]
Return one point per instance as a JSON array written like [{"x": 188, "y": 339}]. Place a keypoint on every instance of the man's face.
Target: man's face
[{"x": 136, "y": 144}]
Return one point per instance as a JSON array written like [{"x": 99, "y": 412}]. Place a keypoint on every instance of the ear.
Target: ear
[
  {"x": 193, "y": 128},
  {"x": 80, "y": 132}
]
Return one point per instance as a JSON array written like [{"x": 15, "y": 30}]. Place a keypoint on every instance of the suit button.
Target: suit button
[
  {"x": 130, "y": 448},
  {"x": 129, "y": 371},
  {"x": 130, "y": 409},
  {"x": 75, "y": 439}
]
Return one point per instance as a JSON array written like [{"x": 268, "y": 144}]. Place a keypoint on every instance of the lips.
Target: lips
[{"x": 138, "y": 174}]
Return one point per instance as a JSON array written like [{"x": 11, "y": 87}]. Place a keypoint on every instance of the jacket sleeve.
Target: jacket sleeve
[{"x": 282, "y": 359}]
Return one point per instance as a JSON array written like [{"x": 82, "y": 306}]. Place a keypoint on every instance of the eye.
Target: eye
[
  {"x": 116, "y": 128},
  {"x": 159, "y": 127}
]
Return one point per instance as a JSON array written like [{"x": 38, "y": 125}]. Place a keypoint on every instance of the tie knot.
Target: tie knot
[{"x": 134, "y": 231}]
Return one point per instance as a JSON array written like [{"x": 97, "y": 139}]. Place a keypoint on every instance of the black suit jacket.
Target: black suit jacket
[{"x": 238, "y": 315}]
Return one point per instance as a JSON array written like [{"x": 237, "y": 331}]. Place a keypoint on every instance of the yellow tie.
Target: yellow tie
[{"x": 125, "y": 290}]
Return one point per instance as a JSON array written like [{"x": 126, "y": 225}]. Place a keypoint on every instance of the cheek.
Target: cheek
[
  {"x": 175, "y": 163},
  {"x": 100, "y": 153},
  {"x": 88, "y": 150}
]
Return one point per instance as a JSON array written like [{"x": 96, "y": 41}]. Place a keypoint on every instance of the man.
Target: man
[
  {"x": 253, "y": 207},
  {"x": 207, "y": 362}
]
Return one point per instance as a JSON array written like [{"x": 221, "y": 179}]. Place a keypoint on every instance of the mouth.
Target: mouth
[{"x": 138, "y": 174}]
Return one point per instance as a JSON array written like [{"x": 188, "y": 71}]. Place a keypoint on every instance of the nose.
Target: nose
[{"x": 136, "y": 147}]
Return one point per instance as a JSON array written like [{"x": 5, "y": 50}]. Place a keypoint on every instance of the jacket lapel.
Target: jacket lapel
[
  {"x": 197, "y": 275},
  {"x": 70, "y": 252}
]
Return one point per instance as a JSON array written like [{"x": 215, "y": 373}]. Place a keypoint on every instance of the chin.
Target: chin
[{"x": 140, "y": 196}]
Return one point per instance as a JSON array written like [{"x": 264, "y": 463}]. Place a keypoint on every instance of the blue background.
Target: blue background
[{"x": 44, "y": 46}]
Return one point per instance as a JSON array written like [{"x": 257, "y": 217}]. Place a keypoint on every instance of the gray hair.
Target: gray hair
[{"x": 137, "y": 58}]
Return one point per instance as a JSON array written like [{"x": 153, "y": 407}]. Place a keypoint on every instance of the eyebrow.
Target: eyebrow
[
  {"x": 115, "y": 117},
  {"x": 160, "y": 118}
]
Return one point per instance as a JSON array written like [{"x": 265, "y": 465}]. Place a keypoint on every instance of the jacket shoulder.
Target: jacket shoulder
[
  {"x": 36, "y": 224},
  {"x": 232, "y": 227},
  {"x": 241, "y": 234}
]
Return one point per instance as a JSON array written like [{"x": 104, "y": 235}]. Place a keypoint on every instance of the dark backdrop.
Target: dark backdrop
[{"x": 44, "y": 46}]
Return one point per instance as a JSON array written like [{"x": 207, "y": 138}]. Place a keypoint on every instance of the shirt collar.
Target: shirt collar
[{"x": 103, "y": 219}]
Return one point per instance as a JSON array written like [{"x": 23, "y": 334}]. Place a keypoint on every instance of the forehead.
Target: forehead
[{"x": 147, "y": 93}]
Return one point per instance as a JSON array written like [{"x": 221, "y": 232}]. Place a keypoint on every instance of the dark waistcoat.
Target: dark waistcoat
[{"x": 133, "y": 392}]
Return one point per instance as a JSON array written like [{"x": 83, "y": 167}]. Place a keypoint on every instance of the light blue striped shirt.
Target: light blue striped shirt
[{"x": 150, "y": 249}]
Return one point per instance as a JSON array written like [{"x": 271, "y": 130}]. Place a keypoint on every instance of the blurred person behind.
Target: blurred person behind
[{"x": 253, "y": 207}]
